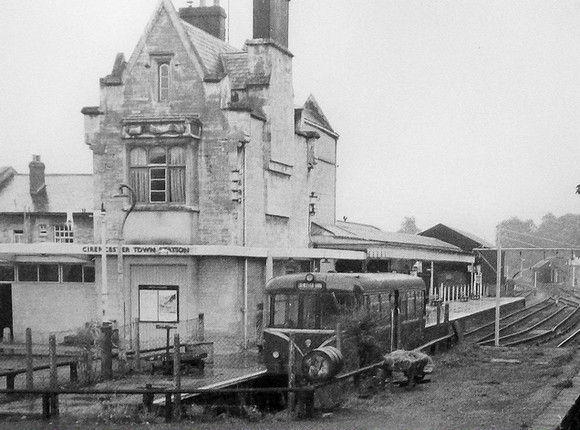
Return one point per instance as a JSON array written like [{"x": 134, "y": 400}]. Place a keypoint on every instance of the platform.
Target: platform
[
  {"x": 459, "y": 310},
  {"x": 227, "y": 370}
]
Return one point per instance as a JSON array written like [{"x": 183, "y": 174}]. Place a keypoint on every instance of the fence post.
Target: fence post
[
  {"x": 107, "y": 351},
  {"x": 200, "y": 327},
  {"x": 177, "y": 376},
  {"x": 29, "y": 361},
  {"x": 148, "y": 398},
  {"x": 53, "y": 374},
  {"x": 137, "y": 355},
  {"x": 87, "y": 366},
  {"x": 439, "y": 313},
  {"x": 73, "y": 372},
  {"x": 168, "y": 408},
  {"x": 46, "y": 406},
  {"x": 446, "y": 312},
  {"x": 291, "y": 375}
]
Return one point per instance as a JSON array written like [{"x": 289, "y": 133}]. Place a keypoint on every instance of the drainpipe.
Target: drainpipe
[
  {"x": 104, "y": 284},
  {"x": 243, "y": 142},
  {"x": 431, "y": 281}
]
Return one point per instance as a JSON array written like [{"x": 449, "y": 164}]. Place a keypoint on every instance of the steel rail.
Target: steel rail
[
  {"x": 528, "y": 329},
  {"x": 486, "y": 338},
  {"x": 491, "y": 324},
  {"x": 540, "y": 336},
  {"x": 569, "y": 339}
]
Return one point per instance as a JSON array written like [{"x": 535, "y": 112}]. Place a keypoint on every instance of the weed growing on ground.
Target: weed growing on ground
[
  {"x": 464, "y": 354},
  {"x": 566, "y": 383},
  {"x": 564, "y": 358}
]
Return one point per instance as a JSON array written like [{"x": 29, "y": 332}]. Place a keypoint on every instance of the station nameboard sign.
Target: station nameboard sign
[
  {"x": 8, "y": 251},
  {"x": 140, "y": 249}
]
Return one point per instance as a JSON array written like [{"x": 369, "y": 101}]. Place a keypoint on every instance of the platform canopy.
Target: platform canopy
[{"x": 381, "y": 245}]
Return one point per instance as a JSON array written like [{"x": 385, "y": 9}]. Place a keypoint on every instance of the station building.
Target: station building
[
  {"x": 225, "y": 172},
  {"x": 207, "y": 182},
  {"x": 40, "y": 214}
]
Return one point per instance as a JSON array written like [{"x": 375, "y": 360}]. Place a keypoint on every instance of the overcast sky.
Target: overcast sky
[{"x": 459, "y": 112}]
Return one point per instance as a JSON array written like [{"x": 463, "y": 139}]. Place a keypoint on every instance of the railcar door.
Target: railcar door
[{"x": 394, "y": 301}]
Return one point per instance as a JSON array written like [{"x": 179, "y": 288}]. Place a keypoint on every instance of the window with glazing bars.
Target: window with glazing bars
[
  {"x": 158, "y": 174},
  {"x": 63, "y": 234}
]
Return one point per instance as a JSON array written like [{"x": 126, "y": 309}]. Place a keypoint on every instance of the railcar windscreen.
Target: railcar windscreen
[{"x": 285, "y": 310}]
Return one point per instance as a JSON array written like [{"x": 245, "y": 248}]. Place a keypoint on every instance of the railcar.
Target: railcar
[{"x": 326, "y": 319}]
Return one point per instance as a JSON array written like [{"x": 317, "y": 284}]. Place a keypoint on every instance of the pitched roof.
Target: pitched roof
[
  {"x": 64, "y": 194},
  {"x": 481, "y": 242},
  {"x": 313, "y": 112},
  {"x": 236, "y": 67},
  {"x": 369, "y": 233},
  {"x": 209, "y": 48}
]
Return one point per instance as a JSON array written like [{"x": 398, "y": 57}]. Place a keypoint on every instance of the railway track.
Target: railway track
[
  {"x": 571, "y": 341},
  {"x": 545, "y": 322}
]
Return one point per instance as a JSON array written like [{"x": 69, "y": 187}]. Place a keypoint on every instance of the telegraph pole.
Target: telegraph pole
[{"x": 497, "y": 286}]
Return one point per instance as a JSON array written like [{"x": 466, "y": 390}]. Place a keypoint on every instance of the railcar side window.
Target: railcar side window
[
  {"x": 411, "y": 305},
  {"x": 375, "y": 303},
  {"x": 403, "y": 306},
  {"x": 285, "y": 310},
  {"x": 332, "y": 306},
  {"x": 386, "y": 306}
]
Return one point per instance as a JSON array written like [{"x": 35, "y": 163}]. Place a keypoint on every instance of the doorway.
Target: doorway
[{"x": 6, "y": 320}]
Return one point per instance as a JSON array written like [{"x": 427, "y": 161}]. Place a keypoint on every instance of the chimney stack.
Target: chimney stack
[
  {"x": 271, "y": 20},
  {"x": 37, "y": 184},
  {"x": 211, "y": 19}
]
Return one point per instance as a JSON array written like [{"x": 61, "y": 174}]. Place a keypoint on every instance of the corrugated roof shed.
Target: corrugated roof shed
[{"x": 451, "y": 232}]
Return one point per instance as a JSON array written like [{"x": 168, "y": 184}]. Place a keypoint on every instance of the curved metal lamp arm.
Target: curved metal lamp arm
[{"x": 133, "y": 200}]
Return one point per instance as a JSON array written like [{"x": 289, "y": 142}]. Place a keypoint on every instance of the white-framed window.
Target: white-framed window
[
  {"x": 163, "y": 82},
  {"x": 63, "y": 233},
  {"x": 158, "y": 303},
  {"x": 17, "y": 236},
  {"x": 158, "y": 174}
]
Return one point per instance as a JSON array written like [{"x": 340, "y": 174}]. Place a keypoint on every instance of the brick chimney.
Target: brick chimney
[
  {"x": 37, "y": 184},
  {"x": 271, "y": 20},
  {"x": 211, "y": 19}
]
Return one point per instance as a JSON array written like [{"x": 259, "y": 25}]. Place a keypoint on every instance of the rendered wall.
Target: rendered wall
[{"x": 61, "y": 308}]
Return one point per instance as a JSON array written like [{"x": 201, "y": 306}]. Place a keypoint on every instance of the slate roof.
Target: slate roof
[
  {"x": 365, "y": 232},
  {"x": 236, "y": 67},
  {"x": 64, "y": 193},
  {"x": 209, "y": 48}
]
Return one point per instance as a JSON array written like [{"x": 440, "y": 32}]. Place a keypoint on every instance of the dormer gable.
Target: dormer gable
[{"x": 203, "y": 49}]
